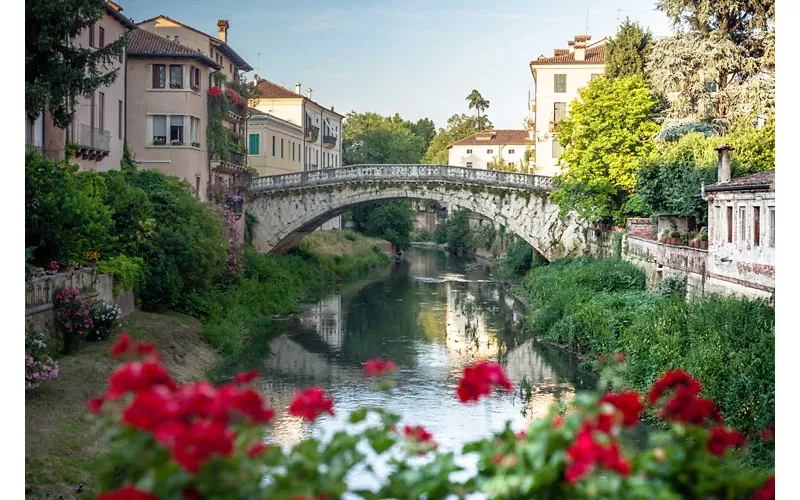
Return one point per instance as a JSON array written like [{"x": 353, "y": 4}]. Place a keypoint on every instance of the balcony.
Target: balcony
[
  {"x": 92, "y": 143},
  {"x": 237, "y": 159},
  {"x": 328, "y": 141},
  {"x": 233, "y": 165},
  {"x": 51, "y": 154}
]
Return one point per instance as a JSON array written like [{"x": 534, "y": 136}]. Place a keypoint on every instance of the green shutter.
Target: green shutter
[{"x": 254, "y": 144}]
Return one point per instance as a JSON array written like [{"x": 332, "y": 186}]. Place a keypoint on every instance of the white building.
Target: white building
[
  {"x": 490, "y": 148},
  {"x": 557, "y": 81}
]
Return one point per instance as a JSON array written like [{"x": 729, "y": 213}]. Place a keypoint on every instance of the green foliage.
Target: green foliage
[
  {"x": 627, "y": 52},
  {"x": 601, "y": 307},
  {"x": 391, "y": 220},
  {"x": 459, "y": 126},
  {"x": 518, "y": 261},
  {"x": 105, "y": 318},
  {"x": 64, "y": 212},
  {"x": 56, "y": 69},
  {"x": 251, "y": 222},
  {"x": 479, "y": 104},
  {"x": 127, "y": 271},
  {"x": 454, "y": 231},
  {"x": 607, "y": 130},
  {"x": 372, "y": 138}
]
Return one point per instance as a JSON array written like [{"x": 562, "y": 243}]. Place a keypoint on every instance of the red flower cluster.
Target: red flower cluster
[
  {"x": 768, "y": 433},
  {"x": 478, "y": 380},
  {"x": 378, "y": 367},
  {"x": 124, "y": 347},
  {"x": 234, "y": 98},
  {"x": 685, "y": 406},
  {"x": 310, "y": 403},
  {"x": 127, "y": 493},
  {"x": 629, "y": 403},
  {"x": 418, "y": 433},
  {"x": 192, "y": 421},
  {"x": 586, "y": 453},
  {"x": 215, "y": 91},
  {"x": 721, "y": 439},
  {"x": 767, "y": 492},
  {"x": 671, "y": 380}
]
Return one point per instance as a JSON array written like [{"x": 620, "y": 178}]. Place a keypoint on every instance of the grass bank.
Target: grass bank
[
  {"x": 60, "y": 440},
  {"x": 601, "y": 306},
  {"x": 273, "y": 284}
]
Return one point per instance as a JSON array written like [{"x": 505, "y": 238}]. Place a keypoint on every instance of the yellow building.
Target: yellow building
[{"x": 274, "y": 145}]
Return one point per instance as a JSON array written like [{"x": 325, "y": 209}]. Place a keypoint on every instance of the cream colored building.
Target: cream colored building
[
  {"x": 98, "y": 129},
  {"x": 557, "y": 80},
  {"x": 514, "y": 148},
  {"x": 168, "y": 107},
  {"x": 274, "y": 145}
]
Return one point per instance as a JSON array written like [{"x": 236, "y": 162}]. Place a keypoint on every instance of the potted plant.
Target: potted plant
[
  {"x": 704, "y": 241},
  {"x": 53, "y": 268},
  {"x": 71, "y": 266},
  {"x": 159, "y": 141},
  {"x": 176, "y": 142},
  {"x": 39, "y": 271},
  {"x": 195, "y": 144},
  {"x": 675, "y": 238},
  {"x": 694, "y": 239},
  {"x": 665, "y": 235},
  {"x": 92, "y": 258}
]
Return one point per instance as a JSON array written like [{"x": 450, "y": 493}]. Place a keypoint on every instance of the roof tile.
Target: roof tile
[{"x": 498, "y": 137}]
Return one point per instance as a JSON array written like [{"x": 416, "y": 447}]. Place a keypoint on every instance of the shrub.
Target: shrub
[
  {"x": 517, "y": 262},
  {"x": 251, "y": 222},
  {"x": 105, "y": 318},
  {"x": 126, "y": 271},
  {"x": 73, "y": 317},
  {"x": 38, "y": 364}
]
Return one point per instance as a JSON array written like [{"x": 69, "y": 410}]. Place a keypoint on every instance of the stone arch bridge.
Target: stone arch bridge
[{"x": 289, "y": 206}]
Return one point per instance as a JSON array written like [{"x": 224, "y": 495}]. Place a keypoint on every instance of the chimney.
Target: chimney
[
  {"x": 308, "y": 92},
  {"x": 580, "y": 51},
  {"x": 223, "y": 25},
  {"x": 297, "y": 88},
  {"x": 331, "y": 108},
  {"x": 724, "y": 165}
]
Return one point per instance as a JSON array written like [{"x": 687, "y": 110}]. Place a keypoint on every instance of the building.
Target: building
[
  {"x": 228, "y": 166},
  {"x": 320, "y": 145},
  {"x": 511, "y": 149},
  {"x": 167, "y": 117},
  {"x": 557, "y": 80},
  {"x": 274, "y": 145},
  {"x": 741, "y": 232},
  {"x": 98, "y": 129}
]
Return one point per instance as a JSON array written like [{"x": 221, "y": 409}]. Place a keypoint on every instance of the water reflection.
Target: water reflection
[{"x": 432, "y": 315}]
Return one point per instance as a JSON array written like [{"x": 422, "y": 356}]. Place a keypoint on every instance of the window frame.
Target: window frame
[
  {"x": 120, "y": 121},
  {"x": 729, "y": 222},
  {"x": 490, "y": 151},
  {"x": 563, "y": 113},
  {"x": 180, "y": 82},
  {"x": 250, "y": 136},
  {"x": 771, "y": 222},
  {"x": 756, "y": 226},
  {"x": 469, "y": 151},
  {"x": 91, "y": 36},
  {"x": 190, "y": 130},
  {"x": 742, "y": 224},
  {"x": 556, "y": 146},
  {"x": 153, "y": 68},
  {"x": 101, "y": 37},
  {"x": 557, "y": 84},
  {"x": 101, "y": 110},
  {"x": 469, "y": 164},
  {"x": 510, "y": 151}
]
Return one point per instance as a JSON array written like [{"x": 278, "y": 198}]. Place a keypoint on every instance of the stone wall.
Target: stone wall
[
  {"x": 659, "y": 261},
  {"x": 642, "y": 228},
  {"x": 40, "y": 292},
  {"x": 603, "y": 244}
]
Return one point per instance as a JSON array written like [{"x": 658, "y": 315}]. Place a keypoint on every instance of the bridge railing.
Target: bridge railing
[{"x": 446, "y": 173}]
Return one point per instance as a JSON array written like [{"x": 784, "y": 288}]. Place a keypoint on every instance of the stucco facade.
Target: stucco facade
[
  {"x": 274, "y": 145},
  {"x": 514, "y": 148},
  {"x": 557, "y": 80}
]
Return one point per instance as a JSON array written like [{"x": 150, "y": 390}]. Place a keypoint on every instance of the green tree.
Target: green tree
[
  {"x": 425, "y": 128},
  {"x": 389, "y": 220},
  {"x": 58, "y": 70},
  {"x": 372, "y": 138},
  {"x": 627, "y": 52},
  {"x": 608, "y": 129},
  {"x": 458, "y": 127},
  {"x": 479, "y": 104}
]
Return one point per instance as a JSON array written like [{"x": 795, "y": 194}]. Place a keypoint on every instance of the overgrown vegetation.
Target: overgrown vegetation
[
  {"x": 454, "y": 231},
  {"x": 599, "y": 307}
]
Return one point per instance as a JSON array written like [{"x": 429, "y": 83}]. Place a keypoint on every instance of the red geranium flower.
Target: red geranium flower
[
  {"x": 378, "y": 367},
  {"x": 121, "y": 346},
  {"x": 215, "y": 91},
  {"x": 127, "y": 493},
  {"x": 135, "y": 376},
  {"x": 768, "y": 433},
  {"x": 767, "y": 491},
  {"x": 585, "y": 454},
  {"x": 418, "y": 433},
  {"x": 95, "y": 404},
  {"x": 673, "y": 379},
  {"x": 246, "y": 377},
  {"x": 619, "y": 357},
  {"x": 721, "y": 439},
  {"x": 256, "y": 450},
  {"x": 310, "y": 403},
  {"x": 150, "y": 408},
  {"x": 478, "y": 380},
  {"x": 199, "y": 442},
  {"x": 629, "y": 403},
  {"x": 686, "y": 407}
]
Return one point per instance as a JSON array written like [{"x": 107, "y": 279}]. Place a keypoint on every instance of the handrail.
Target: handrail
[{"x": 402, "y": 172}]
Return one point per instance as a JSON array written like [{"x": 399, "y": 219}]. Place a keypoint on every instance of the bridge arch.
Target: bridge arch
[{"x": 292, "y": 205}]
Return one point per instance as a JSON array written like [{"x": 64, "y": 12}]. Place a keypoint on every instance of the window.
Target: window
[
  {"x": 559, "y": 111},
  {"x": 489, "y": 151},
  {"x": 197, "y": 186},
  {"x": 175, "y": 39},
  {"x": 194, "y": 77},
  {"x": 101, "y": 37},
  {"x": 159, "y": 76},
  {"x": 101, "y": 111},
  {"x": 557, "y": 149},
  {"x": 195, "y": 131},
  {"x": 469, "y": 151},
  {"x": 489, "y": 164},
  {"x": 119, "y": 119},
  {"x": 560, "y": 83},
  {"x": 469, "y": 164},
  {"x": 91, "y": 36},
  {"x": 273, "y": 145},
  {"x": 253, "y": 144},
  {"x": 742, "y": 223},
  {"x": 292, "y": 150},
  {"x": 772, "y": 226},
  {"x": 729, "y": 219},
  {"x": 595, "y": 75},
  {"x": 159, "y": 130},
  {"x": 756, "y": 226},
  {"x": 511, "y": 151},
  {"x": 175, "y": 76},
  {"x": 512, "y": 164},
  {"x": 176, "y": 129},
  {"x": 281, "y": 147},
  {"x": 298, "y": 153}
]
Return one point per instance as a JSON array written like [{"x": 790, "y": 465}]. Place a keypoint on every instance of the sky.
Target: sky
[{"x": 416, "y": 58}]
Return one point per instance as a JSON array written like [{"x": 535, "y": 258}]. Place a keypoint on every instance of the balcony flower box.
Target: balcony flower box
[
  {"x": 175, "y": 84},
  {"x": 195, "y": 144},
  {"x": 158, "y": 141},
  {"x": 176, "y": 142}
]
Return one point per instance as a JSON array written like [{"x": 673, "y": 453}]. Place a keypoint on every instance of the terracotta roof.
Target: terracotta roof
[
  {"x": 115, "y": 11},
  {"x": 594, "y": 55},
  {"x": 759, "y": 178},
  {"x": 496, "y": 138},
  {"x": 143, "y": 43},
  {"x": 216, "y": 42},
  {"x": 270, "y": 90},
  {"x": 583, "y": 38}
]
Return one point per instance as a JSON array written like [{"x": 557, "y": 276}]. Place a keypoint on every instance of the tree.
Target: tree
[
  {"x": 57, "y": 70},
  {"x": 389, "y": 220},
  {"x": 478, "y": 103},
  {"x": 372, "y": 138},
  {"x": 458, "y": 127},
  {"x": 609, "y": 127},
  {"x": 424, "y": 128},
  {"x": 627, "y": 52}
]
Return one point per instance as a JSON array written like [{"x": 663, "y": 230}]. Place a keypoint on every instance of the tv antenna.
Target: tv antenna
[{"x": 586, "y": 31}]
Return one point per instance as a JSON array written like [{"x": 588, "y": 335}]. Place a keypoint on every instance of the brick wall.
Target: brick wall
[{"x": 641, "y": 228}]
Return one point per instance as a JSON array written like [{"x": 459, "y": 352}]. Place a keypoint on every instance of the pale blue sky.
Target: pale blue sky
[{"x": 416, "y": 58}]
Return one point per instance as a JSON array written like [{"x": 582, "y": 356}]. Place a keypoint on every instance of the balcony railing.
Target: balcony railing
[
  {"x": 49, "y": 153},
  {"x": 237, "y": 159},
  {"x": 328, "y": 141},
  {"x": 93, "y": 138}
]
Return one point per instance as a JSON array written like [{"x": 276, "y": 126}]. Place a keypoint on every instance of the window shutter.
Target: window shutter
[
  {"x": 155, "y": 72},
  {"x": 253, "y": 144}
]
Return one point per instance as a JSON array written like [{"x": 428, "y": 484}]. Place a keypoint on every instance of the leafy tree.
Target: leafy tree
[
  {"x": 455, "y": 232},
  {"x": 608, "y": 128},
  {"x": 425, "y": 128},
  {"x": 458, "y": 127},
  {"x": 56, "y": 69},
  {"x": 389, "y": 220},
  {"x": 372, "y": 138},
  {"x": 479, "y": 104},
  {"x": 627, "y": 52}
]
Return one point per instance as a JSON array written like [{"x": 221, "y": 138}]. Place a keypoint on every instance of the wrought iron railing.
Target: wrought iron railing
[
  {"x": 405, "y": 173},
  {"x": 328, "y": 141},
  {"x": 237, "y": 159},
  {"x": 93, "y": 137}
]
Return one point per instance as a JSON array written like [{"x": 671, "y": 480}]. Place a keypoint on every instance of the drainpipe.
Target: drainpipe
[{"x": 208, "y": 115}]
